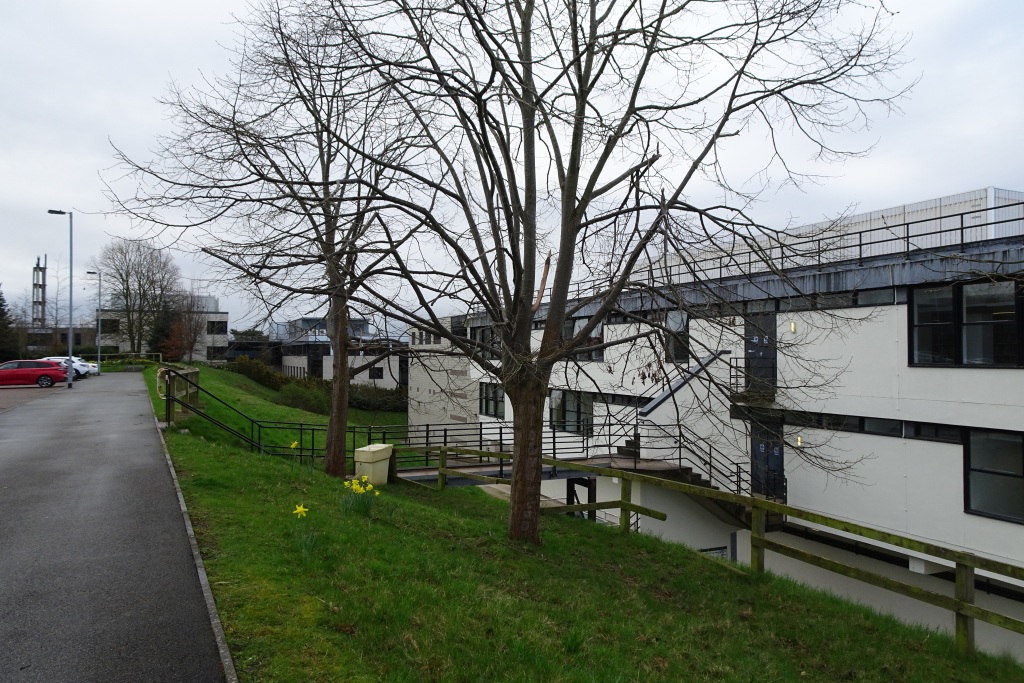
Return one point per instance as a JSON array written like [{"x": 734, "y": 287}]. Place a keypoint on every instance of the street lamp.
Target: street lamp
[
  {"x": 99, "y": 323},
  {"x": 71, "y": 289}
]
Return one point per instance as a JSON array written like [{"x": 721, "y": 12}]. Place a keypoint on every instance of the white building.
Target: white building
[
  {"x": 891, "y": 350},
  {"x": 211, "y": 344}
]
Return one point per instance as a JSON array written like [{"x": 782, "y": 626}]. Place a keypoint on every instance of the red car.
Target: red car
[{"x": 45, "y": 373}]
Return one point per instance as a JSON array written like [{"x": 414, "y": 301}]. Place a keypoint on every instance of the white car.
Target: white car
[{"x": 81, "y": 367}]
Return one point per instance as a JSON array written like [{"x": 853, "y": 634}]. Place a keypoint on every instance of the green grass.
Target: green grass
[
  {"x": 257, "y": 402},
  {"x": 428, "y": 588}
]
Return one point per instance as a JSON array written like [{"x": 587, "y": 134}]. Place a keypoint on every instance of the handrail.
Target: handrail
[{"x": 815, "y": 248}]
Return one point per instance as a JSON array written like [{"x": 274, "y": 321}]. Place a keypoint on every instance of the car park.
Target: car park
[
  {"x": 82, "y": 368},
  {"x": 44, "y": 373}
]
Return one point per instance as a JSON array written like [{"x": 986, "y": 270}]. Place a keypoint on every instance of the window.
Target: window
[
  {"x": 934, "y": 331},
  {"x": 571, "y": 411},
  {"x": 377, "y": 373},
  {"x": 677, "y": 341},
  {"x": 933, "y": 432},
  {"x": 216, "y": 352},
  {"x": 110, "y": 325},
  {"x": 492, "y": 400},
  {"x": 989, "y": 324},
  {"x": 995, "y": 474},
  {"x": 573, "y": 326},
  {"x": 973, "y": 324},
  {"x": 486, "y": 337},
  {"x": 216, "y": 327}
]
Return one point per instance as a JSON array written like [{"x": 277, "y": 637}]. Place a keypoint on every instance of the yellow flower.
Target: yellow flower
[
  {"x": 348, "y": 484},
  {"x": 376, "y": 493},
  {"x": 364, "y": 478},
  {"x": 295, "y": 444},
  {"x": 369, "y": 487},
  {"x": 299, "y": 510},
  {"x": 357, "y": 488}
]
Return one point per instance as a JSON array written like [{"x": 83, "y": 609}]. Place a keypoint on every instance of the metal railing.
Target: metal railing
[
  {"x": 763, "y": 253},
  {"x": 293, "y": 439}
]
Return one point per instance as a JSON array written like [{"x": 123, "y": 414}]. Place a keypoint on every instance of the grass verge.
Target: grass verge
[{"x": 427, "y": 588}]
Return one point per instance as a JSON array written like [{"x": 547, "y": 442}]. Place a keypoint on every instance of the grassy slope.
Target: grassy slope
[
  {"x": 256, "y": 401},
  {"x": 428, "y": 588}
]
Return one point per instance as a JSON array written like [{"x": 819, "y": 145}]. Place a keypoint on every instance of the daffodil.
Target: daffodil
[
  {"x": 348, "y": 484},
  {"x": 369, "y": 487},
  {"x": 376, "y": 493},
  {"x": 300, "y": 510},
  {"x": 295, "y": 444},
  {"x": 364, "y": 478}
]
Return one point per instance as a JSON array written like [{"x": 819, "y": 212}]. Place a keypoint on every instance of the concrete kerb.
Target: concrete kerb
[{"x": 226, "y": 662}]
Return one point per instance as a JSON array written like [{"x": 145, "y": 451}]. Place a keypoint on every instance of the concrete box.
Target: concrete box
[{"x": 372, "y": 461}]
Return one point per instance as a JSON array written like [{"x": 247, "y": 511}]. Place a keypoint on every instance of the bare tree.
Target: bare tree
[
  {"x": 140, "y": 278},
  {"x": 189, "y": 322},
  {"x": 271, "y": 173},
  {"x": 584, "y": 127}
]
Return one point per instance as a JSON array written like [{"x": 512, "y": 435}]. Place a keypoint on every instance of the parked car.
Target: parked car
[
  {"x": 82, "y": 368},
  {"x": 45, "y": 373}
]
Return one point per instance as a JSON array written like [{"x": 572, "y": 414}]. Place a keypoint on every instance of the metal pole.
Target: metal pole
[
  {"x": 71, "y": 288},
  {"x": 99, "y": 328}
]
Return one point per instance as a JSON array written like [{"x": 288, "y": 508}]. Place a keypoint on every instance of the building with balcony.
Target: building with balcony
[{"x": 871, "y": 372}]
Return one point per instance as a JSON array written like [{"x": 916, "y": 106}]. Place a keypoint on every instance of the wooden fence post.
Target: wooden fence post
[
  {"x": 964, "y": 623},
  {"x": 442, "y": 462},
  {"x": 758, "y": 518},
  {"x": 626, "y": 495}
]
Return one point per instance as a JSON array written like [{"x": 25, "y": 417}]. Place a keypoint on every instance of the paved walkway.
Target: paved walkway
[{"x": 97, "y": 580}]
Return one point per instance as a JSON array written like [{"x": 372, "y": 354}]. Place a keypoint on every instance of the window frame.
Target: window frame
[
  {"x": 969, "y": 469},
  {"x": 558, "y": 413},
  {"x": 491, "y": 397},
  {"x": 957, "y": 326}
]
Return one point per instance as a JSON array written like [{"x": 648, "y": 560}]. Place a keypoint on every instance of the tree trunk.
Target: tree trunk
[
  {"x": 527, "y": 428},
  {"x": 337, "y": 426}
]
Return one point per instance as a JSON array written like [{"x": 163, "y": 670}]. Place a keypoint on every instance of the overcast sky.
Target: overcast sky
[{"x": 74, "y": 76}]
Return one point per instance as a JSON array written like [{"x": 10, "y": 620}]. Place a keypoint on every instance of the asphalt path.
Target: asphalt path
[
  {"x": 11, "y": 397},
  {"x": 97, "y": 579}
]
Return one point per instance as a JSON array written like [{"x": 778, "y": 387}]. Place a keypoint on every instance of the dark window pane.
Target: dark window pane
[
  {"x": 997, "y": 452},
  {"x": 875, "y": 425},
  {"x": 933, "y": 306},
  {"x": 927, "y": 430},
  {"x": 934, "y": 344},
  {"x": 997, "y": 494},
  {"x": 989, "y": 302},
  {"x": 875, "y": 297},
  {"x": 990, "y": 344}
]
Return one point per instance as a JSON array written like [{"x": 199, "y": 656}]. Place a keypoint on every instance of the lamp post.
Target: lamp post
[
  {"x": 99, "y": 323},
  {"x": 71, "y": 289}
]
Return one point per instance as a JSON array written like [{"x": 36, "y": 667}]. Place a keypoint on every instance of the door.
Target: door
[
  {"x": 767, "y": 461},
  {"x": 760, "y": 353}
]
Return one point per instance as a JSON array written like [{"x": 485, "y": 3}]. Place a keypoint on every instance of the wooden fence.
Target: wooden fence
[
  {"x": 183, "y": 385},
  {"x": 962, "y": 605}
]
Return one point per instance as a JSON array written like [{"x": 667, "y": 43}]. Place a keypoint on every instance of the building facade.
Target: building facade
[{"x": 876, "y": 378}]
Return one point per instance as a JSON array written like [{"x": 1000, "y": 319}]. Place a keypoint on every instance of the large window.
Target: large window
[
  {"x": 934, "y": 331},
  {"x": 989, "y": 329},
  {"x": 995, "y": 474},
  {"x": 677, "y": 339},
  {"x": 571, "y": 411},
  {"x": 975, "y": 324},
  {"x": 216, "y": 327},
  {"x": 377, "y": 373},
  {"x": 492, "y": 400},
  {"x": 573, "y": 327}
]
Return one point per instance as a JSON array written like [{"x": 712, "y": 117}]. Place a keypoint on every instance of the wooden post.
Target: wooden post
[
  {"x": 758, "y": 518},
  {"x": 964, "y": 623},
  {"x": 626, "y": 495},
  {"x": 168, "y": 403},
  {"x": 442, "y": 462}
]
